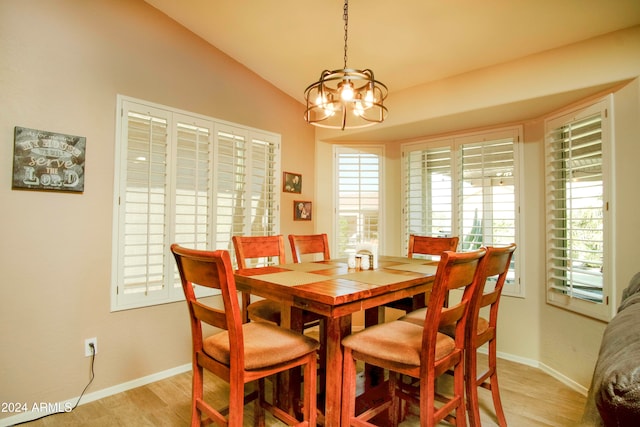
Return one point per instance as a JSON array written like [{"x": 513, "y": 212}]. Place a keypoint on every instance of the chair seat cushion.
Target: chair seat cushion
[
  {"x": 417, "y": 317},
  {"x": 483, "y": 325},
  {"x": 269, "y": 311},
  {"x": 397, "y": 342},
  {"x": 266, "y": 310},
  {"x": 265, "y": 344}
]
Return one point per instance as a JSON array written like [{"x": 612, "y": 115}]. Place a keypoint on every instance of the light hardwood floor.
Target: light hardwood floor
[{"x": 529, "y": 396}]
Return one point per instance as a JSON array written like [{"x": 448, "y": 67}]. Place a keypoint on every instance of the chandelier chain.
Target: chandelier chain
[{"x": 345, "y": 16}]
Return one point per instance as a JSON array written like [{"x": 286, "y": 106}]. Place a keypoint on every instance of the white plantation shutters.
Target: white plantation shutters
[
  {"x": 577, "y": 169},
  {"x": 247, "y": 180},
  {"x": 187, "y": 179},
  {"x": 465, "y": 186},
  {"x": 359, "y": 197},
  {"x": 230, "y": 189},
  {"x": 487, "y": 198},
  {"x": 143, "y": 201},
  {"x": 262, "y": 186},
  {"x": 192, "y": 196},
  {"x": 429, "y": 172},
  {"x": 192, "y": 190}
]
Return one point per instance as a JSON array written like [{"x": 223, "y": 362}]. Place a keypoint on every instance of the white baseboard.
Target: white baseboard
[
  {"x": 40, "y": 410},
  {"x": 546, "y": 369},
  {"x": 564, "y": 379}
]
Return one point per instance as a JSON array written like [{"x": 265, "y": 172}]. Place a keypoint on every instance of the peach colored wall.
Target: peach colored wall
[{"x": 62, "y": 64}]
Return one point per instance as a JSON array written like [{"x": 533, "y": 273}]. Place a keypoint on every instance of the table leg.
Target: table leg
[
  {"x": 373, "y": 375},
  {"x": 288, "y": 391},
  {"x": 337, "y": 328}
]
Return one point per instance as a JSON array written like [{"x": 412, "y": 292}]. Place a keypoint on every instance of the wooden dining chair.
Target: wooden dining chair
[
  {"x": 242, "y": 352},
  {"x": 262, "y": 249},
  {"x": 314, "y": 244},
  {"x": 494, "y": 267},
  {"x": 309, "y": 244},
  {"x": 482, "y": 331},
  {"x": 429, "y": 247},
  {"x": 417, "y": 351}
]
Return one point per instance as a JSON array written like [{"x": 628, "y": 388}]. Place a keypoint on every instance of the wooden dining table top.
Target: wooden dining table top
[{"x": 333, "y": 290}]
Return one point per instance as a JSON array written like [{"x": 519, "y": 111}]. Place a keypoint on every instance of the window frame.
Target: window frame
[
  {"x": 207, "y": 236},
  {"x": 554, "y": 296},
  {"x": 455, "y": 144}
]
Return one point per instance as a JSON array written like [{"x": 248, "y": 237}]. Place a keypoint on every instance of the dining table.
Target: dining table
[{"x": 332, "y": 289}]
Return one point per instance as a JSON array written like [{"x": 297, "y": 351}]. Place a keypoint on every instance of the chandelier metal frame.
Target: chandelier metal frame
[{"x": 347, "y": 98}]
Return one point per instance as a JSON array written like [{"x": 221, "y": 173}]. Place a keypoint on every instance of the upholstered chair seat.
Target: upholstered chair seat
[
  {"x": 264, "y": 345},
  {"x": 417, "y": 317},
  {"x": 269, "y": 311},
  {"x": 266, "y": 310},
  {"x": 398, "y": 343}
]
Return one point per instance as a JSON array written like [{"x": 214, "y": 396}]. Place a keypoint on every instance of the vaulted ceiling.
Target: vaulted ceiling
[{"x": 406, "y": 42}]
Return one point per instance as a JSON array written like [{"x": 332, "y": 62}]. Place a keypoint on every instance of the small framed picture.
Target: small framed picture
[
  {"x": 292, "y": 183},
  {"x": 302, "y": 210}
]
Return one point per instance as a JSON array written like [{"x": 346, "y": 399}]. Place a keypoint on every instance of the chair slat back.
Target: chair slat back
[
  {"x": 211, "y": 269},
  {"x": 499, "y": 259},
  {"x": 496, "y": 263},
  {"x": 252, "y": 247},
  {"x": 456, "y": 270},
  {"x": 427, "y": 245},
  {"x": 309, "y": 244}
]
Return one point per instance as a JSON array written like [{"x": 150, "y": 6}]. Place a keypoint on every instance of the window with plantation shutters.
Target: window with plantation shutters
[
  {"x": 466, "y": 186},
  {"x": 188, "y": 179},
  {"x": 577, "y": 172},
  {"x": 246, "y": 193},
  {"x": 359, "y": 197}
]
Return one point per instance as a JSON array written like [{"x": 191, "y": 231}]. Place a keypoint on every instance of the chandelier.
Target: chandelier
[{"x": 346, "y": 98}]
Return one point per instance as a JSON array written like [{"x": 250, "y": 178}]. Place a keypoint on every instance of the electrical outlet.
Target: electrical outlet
[{"x": 87, "y": 346}]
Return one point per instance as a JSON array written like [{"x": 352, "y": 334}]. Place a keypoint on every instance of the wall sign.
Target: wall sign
[{"x": 48, "y": 161}]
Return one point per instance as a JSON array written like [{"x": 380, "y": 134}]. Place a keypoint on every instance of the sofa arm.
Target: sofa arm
[{"x": 617, "y": 372}]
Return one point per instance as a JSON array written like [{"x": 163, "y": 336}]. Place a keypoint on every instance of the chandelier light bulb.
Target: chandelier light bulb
[
  {"x": 346, "y": 92},
  {"x": 329, "y": 110},
  {"x": 369, "y": 99}
]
